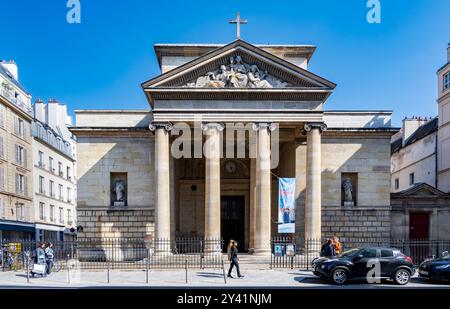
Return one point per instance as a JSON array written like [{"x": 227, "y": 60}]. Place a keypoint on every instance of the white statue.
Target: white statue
[
  {"x": 348, "y": 190},
  {"x": 119, "y": 189}
]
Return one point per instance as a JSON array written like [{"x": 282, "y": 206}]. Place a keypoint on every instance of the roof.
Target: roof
[
  {"x": 423, "y": 131},
  {"x": 5, "y": 72}
]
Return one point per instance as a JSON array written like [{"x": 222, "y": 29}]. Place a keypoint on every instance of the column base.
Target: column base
[{"x": 262, "y": 252}]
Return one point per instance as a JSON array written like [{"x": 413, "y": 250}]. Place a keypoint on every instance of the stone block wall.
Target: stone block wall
[
  {"x": 356, "y": 223},
  {"x": 106, "y": 223}
]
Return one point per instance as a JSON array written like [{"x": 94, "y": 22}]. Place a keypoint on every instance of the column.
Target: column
[
  {"x": 313, "y": 205},
  {"x": 212, "y": 150},
  {"x": 263, "y": 214},
  {"x": 162, "y": 184}
]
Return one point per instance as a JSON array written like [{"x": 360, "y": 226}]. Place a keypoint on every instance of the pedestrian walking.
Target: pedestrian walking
[
  {"x": 229, "y": 247},
  {"x": 40, "y": 261},
  {"x": 234, "y": 260},
  {"x": 50, "y": 257},
  {"x": 337, "y": 245}
]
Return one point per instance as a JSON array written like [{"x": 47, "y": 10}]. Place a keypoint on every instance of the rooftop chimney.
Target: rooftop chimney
[
  {"x": 11, "y": 66},
  {"x": 410, "y": 125}
]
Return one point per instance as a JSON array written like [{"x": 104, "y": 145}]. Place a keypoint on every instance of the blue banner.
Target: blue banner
[{"x": 286, "y": 205}]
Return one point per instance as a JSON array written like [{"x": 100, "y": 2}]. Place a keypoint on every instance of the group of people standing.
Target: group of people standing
[
  {"x": 45, "y": 256},
  {"x": 332, "y": 247}
]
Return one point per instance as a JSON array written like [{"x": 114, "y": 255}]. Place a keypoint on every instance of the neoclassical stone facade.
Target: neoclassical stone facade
[{"x": 188, "y": 173}]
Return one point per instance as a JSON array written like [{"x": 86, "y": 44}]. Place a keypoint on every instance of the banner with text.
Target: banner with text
[{"x": 286, "y": 205}]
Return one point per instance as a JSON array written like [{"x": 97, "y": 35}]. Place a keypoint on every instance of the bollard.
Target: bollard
[
  {"x": 27, "y": 256},
  {"x": 68, "y": 269},
  {"x": 107, "y": 273},
  {"x": 223, "y": 270},
  {"x": 147, "y": 266},
  {"x": 186, "y": 267}
]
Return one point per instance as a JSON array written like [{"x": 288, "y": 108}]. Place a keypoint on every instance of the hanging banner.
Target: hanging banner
[{"x": 286, "y": 205}]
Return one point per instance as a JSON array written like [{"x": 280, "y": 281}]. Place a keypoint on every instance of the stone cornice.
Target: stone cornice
[{"x": 111, "y": 131}]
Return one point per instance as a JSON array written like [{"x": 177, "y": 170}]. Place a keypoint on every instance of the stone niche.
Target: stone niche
[
  {"x": 349, "y": 189},
  {"x": 119, "y": 189}
]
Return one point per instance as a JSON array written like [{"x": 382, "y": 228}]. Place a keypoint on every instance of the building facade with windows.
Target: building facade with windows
[
  {"x": 420, "y": 167},
  {"x": 16, "y": 197},
  {"x": 54, "y": 172}
]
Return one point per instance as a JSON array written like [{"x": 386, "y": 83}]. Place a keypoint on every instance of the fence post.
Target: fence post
[
  {"x": 186, "y": 267},
  {"x": 68, "y": 269},
  {"x": 147, "y": 266},
  {"x": 223, "y": 270}
]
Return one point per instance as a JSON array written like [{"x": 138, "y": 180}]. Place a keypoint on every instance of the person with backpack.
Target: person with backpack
[{"x": 50, "y": 257}]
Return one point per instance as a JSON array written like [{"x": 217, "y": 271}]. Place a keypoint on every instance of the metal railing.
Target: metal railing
[
  {"x": 16, "y": 101},
  {"x": 292, "y": 253},
  {"x": 115, "y": 253}
]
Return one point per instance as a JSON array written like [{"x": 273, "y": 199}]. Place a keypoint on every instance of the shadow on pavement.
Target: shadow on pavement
[{"x": 209, "y": 275}]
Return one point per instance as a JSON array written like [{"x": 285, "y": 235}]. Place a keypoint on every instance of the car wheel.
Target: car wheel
[
  {"x": 402, "y": 277},
  {"x": 339, "y": 276}
]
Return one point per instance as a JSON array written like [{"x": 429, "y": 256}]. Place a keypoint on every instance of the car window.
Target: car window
[
  {"x": 369, "y": 253},
  {"x": 387, "y": 253}
]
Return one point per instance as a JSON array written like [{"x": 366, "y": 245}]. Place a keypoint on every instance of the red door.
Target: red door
[{"x": 419, "y": 224}]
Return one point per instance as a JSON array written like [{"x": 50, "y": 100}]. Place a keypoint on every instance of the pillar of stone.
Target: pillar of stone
[
  {"x": 212, "y": 150},
  {"x": 162, "y": 186},
  {"x": 263, "y": 211},
  {"x": 313, "y": 205}
]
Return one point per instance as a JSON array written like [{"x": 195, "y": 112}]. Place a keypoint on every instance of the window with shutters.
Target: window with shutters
[
  {"x": 51, "y": 187},
  {"x": 2, "y": 208},
  {"x": 60, "y": 169},
  {"x": 41, "y": 211},
  {"x": 2, "y": 178},
  {"x": 41, "y": 159},
  {"x": 52, "y": 213},
  {"x": 50, "y": 165},
  {"x": 69, "y": 216},
  {"x": 20, "y": 127},
  {"x": 21, "y": 184},
  {"x": 21, "y": 156},
  {"x": 69, "y": 195},
  {"x": 2, "y": 116},
  {"x": 61, "y": 193},
  {"x": 2, "y": 151},
  {"x": 41, "y": 185},
  {"x": 61, "y": 215}
]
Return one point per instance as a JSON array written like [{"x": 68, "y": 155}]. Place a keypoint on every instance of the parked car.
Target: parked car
[
  {"x": 356, "y": 264},
  {"x": 436, "y": 269}
]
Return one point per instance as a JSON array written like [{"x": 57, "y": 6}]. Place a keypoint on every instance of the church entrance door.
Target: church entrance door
[{"x": 232, "y": 221}]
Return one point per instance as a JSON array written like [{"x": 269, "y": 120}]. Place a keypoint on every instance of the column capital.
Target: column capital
[
  {"x": 264, "y": 125},
  {"x": 168, "y": 126},
  {"x": 315, "y": 125},
  {"x": 212, "y": 125}
]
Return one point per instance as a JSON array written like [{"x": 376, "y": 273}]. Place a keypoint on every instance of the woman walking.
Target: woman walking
[
  {"x": 234, "y": 260},
  {"x": 50, "y": 256}
]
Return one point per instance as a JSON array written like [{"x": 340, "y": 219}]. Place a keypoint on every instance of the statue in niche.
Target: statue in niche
[
  {"x": 348, "y": 192},
  {"x": 119, "y": 191}
]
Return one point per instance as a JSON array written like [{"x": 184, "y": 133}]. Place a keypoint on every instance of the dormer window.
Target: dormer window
[{"x": 447, "y": 81}]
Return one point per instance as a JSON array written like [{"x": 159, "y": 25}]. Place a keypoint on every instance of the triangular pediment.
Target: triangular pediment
[
  {"x": 239, "y": 65},
  {"x": 422, "y": 190}
]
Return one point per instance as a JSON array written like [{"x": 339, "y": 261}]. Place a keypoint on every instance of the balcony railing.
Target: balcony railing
[{"x": 8, "y": 94}]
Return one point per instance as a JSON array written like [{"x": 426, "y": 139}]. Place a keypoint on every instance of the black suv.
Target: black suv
[{"x": 369, "y": 263}]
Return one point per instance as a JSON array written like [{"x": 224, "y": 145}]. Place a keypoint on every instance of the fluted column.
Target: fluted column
[
  {"x": 313, "y": 205},
  {"x": 263, "y": 211},
  {"x": 162, "y": 183},
  {"x": 212, "y": 184}
]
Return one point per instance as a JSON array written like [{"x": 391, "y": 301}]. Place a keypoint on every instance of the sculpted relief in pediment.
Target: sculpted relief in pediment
[{"x": 237, "y": 74}]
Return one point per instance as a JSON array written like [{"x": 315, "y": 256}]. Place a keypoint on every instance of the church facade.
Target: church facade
[{"x": 224, "y": 123}]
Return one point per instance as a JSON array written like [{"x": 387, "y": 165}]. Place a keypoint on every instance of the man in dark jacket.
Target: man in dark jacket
[
  {"x": 234, "y": 260},
  {"x": 328, "y": 249}
]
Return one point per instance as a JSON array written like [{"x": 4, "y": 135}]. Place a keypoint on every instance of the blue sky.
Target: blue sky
[{"x": 100, "y": 63}]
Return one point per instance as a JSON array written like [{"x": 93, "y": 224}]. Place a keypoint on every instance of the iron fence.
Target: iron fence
[
  {"x": 113, "y": 253},
  {"x": 288, "y": 252}
]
